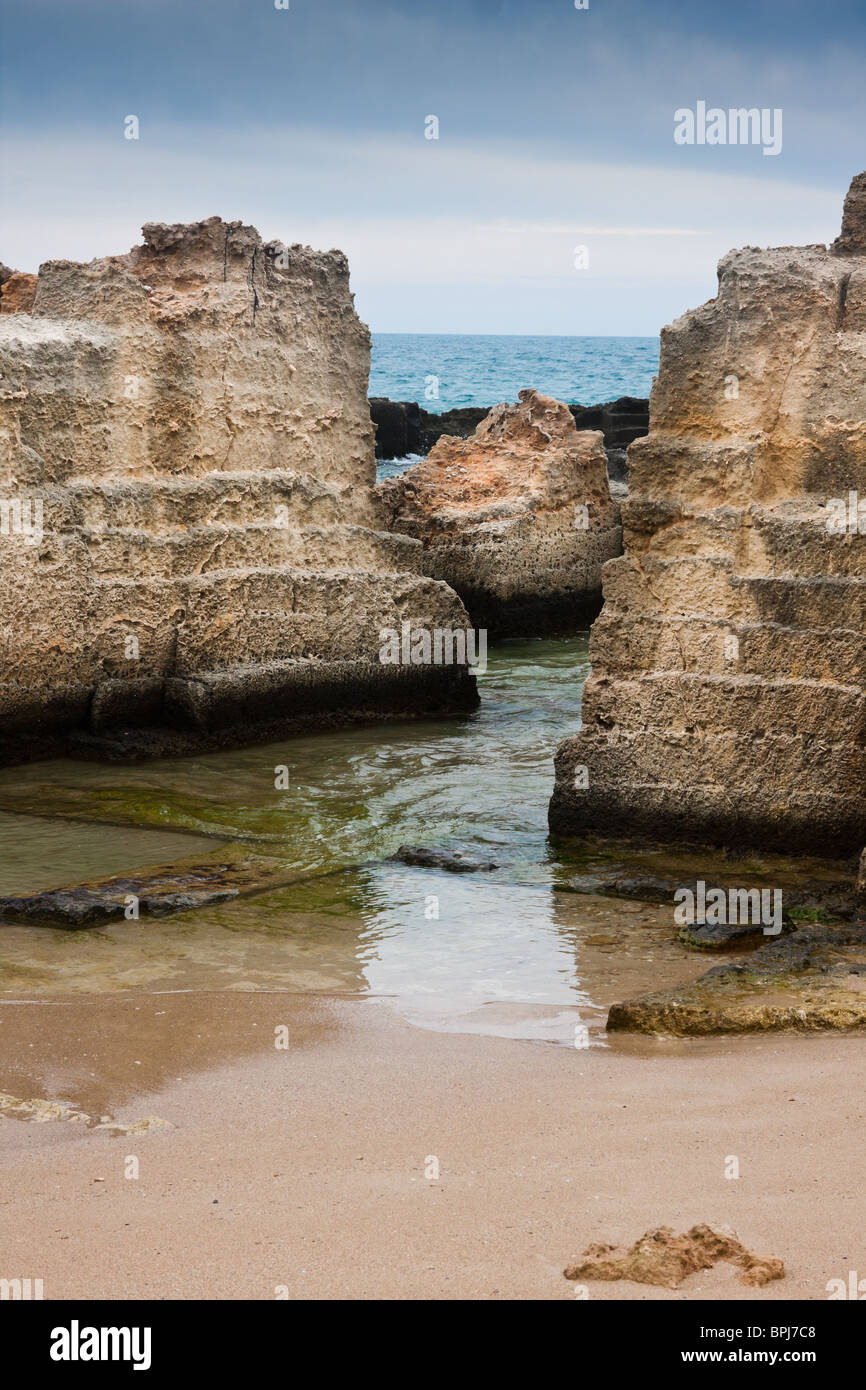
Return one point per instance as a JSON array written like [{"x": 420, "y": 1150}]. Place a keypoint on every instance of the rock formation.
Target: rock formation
[
  {"x": 726, "y": 702},
  {"x": 398, "y": 428},
  {"x": 660, "y": 1257},
  {"x": 402, "y": 427},
  {"x": 518, "y": 518},
  {"x": 17, "y": 291},
  {"x": 809, "y": 981},
  {"x": 621, "y": 421},
  {"x": 189, "y": 535}
]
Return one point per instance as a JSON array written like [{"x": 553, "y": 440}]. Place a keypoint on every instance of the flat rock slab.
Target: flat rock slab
[
  {"x": 820, "y": 898},
  {"x": 152, "y": 892},
  {"x": 810, "y": 980},
  {"x": 720, "y": 936}
]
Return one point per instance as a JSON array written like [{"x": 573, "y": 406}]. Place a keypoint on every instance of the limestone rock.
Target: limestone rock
[
  {"x": 40, "y": 1112},
  {"x": 810, "y": 981},
  {"x": 17, "y": 291},
  {"x": 518, "y": 518},
  {"x": 189, "y": 536},
  {"x": 852, "y": 240},
  {"x": 665, "y": 1259},
  {"x": 726, "y": 702}
]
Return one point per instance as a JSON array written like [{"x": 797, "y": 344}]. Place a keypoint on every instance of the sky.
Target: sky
[{"x": 554, "y": 200}]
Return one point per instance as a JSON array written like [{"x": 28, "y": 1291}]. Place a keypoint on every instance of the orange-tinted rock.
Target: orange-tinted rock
[
  {"x": 664, "y": 1259},
  {"x": 17, "y": 292},
  {"x": 518, "y": 518}
]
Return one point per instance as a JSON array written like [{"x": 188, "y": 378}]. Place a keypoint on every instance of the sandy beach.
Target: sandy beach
[{"x": 300, "y": 1171}]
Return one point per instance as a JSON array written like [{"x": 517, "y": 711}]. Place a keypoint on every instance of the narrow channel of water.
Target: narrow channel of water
[{"x": 504, "y": 952}]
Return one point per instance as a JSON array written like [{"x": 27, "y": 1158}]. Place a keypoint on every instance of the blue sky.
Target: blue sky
[{"x": 555, "y": 131}]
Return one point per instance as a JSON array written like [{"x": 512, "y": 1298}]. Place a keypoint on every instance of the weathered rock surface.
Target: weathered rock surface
[
  {"x": 153, "y": 892},
  {"x": 518, "y": 519},
  {"x": 812, "y": 979},
  {"x": 662, "y": 1258},
  {"x": 190, "y": 538},
  {"x": 726, "y": 702},
  {"x": 461, "y": 422},
  {"x": 17, "y": 291}
]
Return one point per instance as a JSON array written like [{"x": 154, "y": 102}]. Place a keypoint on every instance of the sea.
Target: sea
[{"x": 444, "y": 370}]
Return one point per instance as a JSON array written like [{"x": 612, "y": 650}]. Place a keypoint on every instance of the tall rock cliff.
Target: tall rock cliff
[
  {"x": 726, "y": 702},
  {"x": 189, "y": 538}
]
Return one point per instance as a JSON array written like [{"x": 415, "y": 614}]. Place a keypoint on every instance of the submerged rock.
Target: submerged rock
[
  {"x": 454, "y": 863},
  {"x": 518, "y": 519},
  {"x": 726, "y": 702},
  {"x": 189, "y": 538},
  {"x": 720, "y": 936},
  {"x": 800, "y": 899},
  {"x": 662, "y": 1258},
  {"x": 155, "y": 892},
  {"x": 37, "y": 1110}
]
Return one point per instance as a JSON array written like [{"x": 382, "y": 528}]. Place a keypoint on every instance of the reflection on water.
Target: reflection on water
[
  {"x": 497, "y": 952},
  {"x": 39, "y": 854}
]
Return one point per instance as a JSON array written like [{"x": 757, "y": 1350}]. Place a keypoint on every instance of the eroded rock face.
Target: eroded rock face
[
  {"x": 518, "y": 518},
  {"x": 17, "y": 291},
  {"x": 189, "y": 538},
  {"x": 726, "y": 702}
]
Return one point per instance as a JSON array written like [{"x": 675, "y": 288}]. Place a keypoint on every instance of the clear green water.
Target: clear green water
[{"x": 497, "y": 952}]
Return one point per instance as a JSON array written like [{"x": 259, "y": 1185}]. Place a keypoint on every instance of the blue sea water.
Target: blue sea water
[{"x": 482, "y": 369}]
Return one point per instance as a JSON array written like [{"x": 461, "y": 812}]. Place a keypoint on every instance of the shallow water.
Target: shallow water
[{"x": 504, "y": 952}]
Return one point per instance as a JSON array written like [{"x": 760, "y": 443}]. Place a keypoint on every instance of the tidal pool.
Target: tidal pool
[{"x": 502, "y": 952}]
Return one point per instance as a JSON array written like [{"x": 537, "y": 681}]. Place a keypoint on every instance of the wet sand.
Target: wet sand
[{"x": 304, "y": 1167}]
